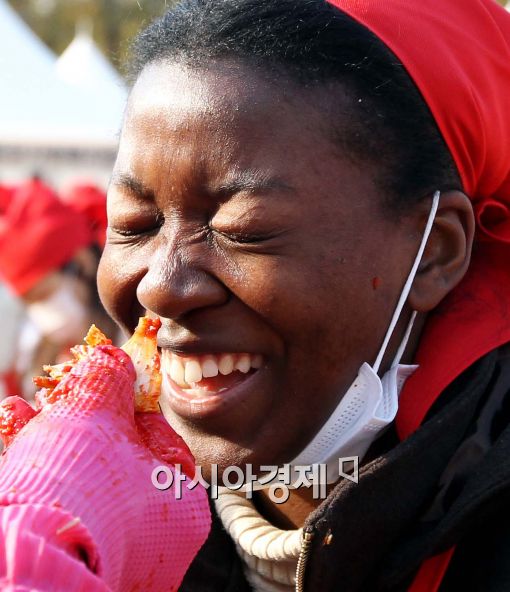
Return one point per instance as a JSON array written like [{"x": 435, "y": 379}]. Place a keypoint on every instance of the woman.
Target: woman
[
  {"x": 288, "y": 173},
  {"x": 48, "y": 259},
  {"x": 89, "y": 200}
]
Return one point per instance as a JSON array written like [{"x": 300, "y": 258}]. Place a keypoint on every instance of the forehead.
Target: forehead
[
  {"x": 228, "y": 106},
  {"x": 169, "y": 89},
  {"x": 188, "y": 129}
]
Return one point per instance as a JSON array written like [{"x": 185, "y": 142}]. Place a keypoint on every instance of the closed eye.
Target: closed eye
[
  {"x": 128, "y": 233},
  {"x": 240, "y": 238},
  {"x": 141, "y": 231},
  {"x": 244, "y": 238}
]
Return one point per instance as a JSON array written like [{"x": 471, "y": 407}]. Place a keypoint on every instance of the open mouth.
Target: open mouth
[{"x": 210, "y": 374}]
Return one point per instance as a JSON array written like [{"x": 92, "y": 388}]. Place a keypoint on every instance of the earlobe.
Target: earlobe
[{"x": 447, "y": 254}]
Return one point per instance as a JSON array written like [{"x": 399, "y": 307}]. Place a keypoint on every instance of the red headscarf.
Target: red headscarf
[
  {"x": 6, "y": 193},
  {"x": 38, "y": 234},
  {"x": 90, "y": 200},
  {"x": 458, "y": 54}
]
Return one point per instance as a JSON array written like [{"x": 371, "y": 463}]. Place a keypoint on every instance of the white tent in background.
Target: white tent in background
[
  {"x": 37, "y": 107},
  {"x": 84, "y": 66},
  {"x": 26, "y": 51}
]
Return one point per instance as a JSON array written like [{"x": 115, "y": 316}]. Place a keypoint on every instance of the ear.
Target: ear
[{"x": 447, "y": 254}]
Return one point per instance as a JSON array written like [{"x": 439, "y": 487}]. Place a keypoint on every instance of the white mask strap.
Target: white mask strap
[
  {"x": 403, "y": 345},
  {"x": 405, "y": 292}
]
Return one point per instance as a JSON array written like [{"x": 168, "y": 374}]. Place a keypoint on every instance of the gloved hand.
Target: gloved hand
[{"x": 78, "y": 510}]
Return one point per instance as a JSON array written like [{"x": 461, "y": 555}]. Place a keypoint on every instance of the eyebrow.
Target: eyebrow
[
  {"x": 252, "y": 182},
  {"x": 248, "y": 181},
  {"x": 133, "y": 185}
]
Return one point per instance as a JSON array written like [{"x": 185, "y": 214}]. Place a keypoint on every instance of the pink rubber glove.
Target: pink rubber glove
[{"x": 78, "y": 510}]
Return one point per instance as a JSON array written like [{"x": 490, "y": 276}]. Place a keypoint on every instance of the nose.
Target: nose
[{"x": 176, "y": 283}]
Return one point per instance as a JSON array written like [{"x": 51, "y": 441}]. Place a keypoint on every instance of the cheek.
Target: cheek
[
  {"x": 117, "y": 278},
  {"x": 306, "y": 302},
  {"x": 326, "y": 306}
]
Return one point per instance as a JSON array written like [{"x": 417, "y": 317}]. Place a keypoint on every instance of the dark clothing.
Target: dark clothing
[{"x": 447, "y": 485}]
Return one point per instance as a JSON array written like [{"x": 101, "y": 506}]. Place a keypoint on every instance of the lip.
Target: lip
[
  {"x": 205, "y": 406},
  {"x": 190, "y": 347}
]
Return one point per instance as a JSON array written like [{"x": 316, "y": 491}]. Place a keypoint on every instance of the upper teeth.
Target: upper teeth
[{"x": 188, "y": 370}]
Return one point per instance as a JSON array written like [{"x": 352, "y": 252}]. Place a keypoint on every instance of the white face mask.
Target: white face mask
[
  {"x": 61, "y": 317},
  {"x": 371, "y": 403}
]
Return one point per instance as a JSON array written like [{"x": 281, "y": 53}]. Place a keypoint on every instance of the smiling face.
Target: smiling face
[{"x": 235, "y": 219}]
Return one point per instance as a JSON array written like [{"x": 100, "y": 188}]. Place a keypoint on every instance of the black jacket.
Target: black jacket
[{"x": 447, "y": 484}]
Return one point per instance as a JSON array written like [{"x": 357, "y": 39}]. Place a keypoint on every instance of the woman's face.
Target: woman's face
[{"x": 235, "y": 219}]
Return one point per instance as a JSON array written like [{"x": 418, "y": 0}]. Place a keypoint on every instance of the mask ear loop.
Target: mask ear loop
[{"x": 405, "y": 293}]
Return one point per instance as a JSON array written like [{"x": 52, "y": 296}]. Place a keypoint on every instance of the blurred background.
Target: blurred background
[
  {"x": 62, "y": 75},
  {"x": 62, "y": 65}
]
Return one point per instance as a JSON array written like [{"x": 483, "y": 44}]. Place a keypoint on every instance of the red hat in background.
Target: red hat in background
[
  {"x": 90, "y": 201},
  {"x": 6, "y": 193},
  {"x": 38, "y": 235},
  {"x": 458, "y": 54}
]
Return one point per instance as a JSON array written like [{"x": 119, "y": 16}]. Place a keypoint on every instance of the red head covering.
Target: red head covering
[
  {"x": 458, "y": 54},
  {"x": 38, "y": 234},
  {"x": 90, "y": 200},
  {"x": 6, "y": 193}
]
